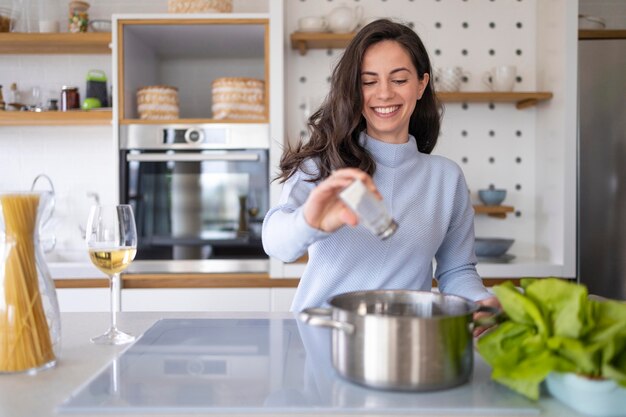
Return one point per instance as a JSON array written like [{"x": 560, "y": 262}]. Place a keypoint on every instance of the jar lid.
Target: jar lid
[{"x": 67, "y": 87}]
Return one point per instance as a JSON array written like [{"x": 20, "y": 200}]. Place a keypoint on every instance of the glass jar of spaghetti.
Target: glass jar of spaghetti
[{"x": 30, "y": 327}]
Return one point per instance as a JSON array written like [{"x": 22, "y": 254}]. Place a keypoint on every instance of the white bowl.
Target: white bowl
[
  {"x": 100, "y": 25},
  {"x": 603, "y": 398}
]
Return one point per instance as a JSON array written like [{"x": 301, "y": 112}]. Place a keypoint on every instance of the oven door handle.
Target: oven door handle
[{"x": 192, "y": 157}]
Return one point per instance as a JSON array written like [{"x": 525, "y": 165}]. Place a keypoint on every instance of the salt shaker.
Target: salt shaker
[{"x": 371, "y": 211}]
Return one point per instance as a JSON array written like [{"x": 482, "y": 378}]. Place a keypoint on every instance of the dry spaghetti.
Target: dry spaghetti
[{"x": 25, "y": 341}]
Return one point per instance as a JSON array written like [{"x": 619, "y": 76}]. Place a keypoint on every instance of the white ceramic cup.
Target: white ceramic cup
[
  {"x": 48, "y": 26},
  {"x": 501, "y": 78},
  {"x": 449, "y": 78},
  {"x": 312, "y": 24}
]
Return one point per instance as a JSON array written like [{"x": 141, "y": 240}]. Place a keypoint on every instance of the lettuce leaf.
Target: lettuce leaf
[{"x": 553, "y": 326}]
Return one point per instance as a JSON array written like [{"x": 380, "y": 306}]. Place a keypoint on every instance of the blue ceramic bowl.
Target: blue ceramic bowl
[
  {"x": 492, "y": 247},
  {"x": 492, "y": 196}
]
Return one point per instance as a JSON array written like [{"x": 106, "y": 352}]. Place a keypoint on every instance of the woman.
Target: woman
[{"x": 378, "y": 124}]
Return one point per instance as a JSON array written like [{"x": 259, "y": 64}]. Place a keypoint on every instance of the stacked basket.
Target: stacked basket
[
  {"x": 199, "y": 6},
  {"x": 238, "y": 98},
  {"x": 157, "y": 102}
]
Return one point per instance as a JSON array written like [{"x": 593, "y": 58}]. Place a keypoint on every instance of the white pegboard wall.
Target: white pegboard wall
[{"x": 493, "y": 143}]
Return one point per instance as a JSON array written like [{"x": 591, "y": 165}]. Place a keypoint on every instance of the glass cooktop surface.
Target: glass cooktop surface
[{"x": 261, "y": 366}]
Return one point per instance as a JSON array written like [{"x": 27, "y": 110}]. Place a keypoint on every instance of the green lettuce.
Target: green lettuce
[{"x": 553, "y": 326}]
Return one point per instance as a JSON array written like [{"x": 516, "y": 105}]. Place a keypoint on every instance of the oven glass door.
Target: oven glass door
[{"x": 197, "y": 205}]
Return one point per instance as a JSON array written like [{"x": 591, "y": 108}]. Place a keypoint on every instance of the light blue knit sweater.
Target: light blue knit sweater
[{"x": 425, "y": 194}]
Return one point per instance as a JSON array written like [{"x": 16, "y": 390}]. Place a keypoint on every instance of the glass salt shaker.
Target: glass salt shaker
[{"x": 371, "y": 211}]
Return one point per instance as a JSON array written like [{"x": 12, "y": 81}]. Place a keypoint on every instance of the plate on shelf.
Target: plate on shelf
[{"x": 502, "y": 259}]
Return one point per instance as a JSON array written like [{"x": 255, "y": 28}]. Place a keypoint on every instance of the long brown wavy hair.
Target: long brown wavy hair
[{"x": 335, "y": 127}]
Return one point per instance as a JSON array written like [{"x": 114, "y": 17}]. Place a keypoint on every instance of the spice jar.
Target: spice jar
[
  {"x": 371, "y": 211},
  {"x": 70, "y": 98},
  {"x": 78, "y": 16}
]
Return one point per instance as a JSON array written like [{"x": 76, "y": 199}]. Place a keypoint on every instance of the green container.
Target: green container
[{"x": 97, "y": 86}]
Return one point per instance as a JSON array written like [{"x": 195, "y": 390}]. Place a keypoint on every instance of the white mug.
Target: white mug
[
  {"x": 312, "y": 24},
  {"x": 449, "y": 78},
  {"x": 501, "y": 78}
]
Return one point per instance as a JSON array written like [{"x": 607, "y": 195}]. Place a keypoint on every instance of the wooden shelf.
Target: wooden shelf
[
  {"x": 602, "y": 34},
  {"x": 522, "y": 100},
  {"x": 56, "y": 118},
  {"x": 55, "y": 43},
  {"x": 189, "y": 121},
  {"x": 493, "y": 211},
  {"x": 303, "y": 41}
]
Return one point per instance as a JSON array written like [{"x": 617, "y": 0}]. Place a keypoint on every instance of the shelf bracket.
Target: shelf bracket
[
  {"x": 302, "y": 48},
  {"x": 523, "y": 104}
]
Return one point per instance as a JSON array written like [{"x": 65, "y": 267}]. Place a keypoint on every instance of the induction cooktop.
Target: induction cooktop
[{"x": 261, "y": 366}]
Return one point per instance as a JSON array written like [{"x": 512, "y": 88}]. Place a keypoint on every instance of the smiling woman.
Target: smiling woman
[{"x": 378, "y": 125}]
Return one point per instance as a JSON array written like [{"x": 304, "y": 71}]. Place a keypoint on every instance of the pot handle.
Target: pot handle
[
  {"x": 497, "y": 316},
  {"x": 321, "y": 317}
]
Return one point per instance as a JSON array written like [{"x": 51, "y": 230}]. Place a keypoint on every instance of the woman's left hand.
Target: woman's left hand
[{"x": 489, "y": 302}]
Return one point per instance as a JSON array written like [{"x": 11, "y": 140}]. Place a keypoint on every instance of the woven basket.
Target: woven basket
[
  {"x": 238, "y": 98},
  {"x": 199, "y": 6},
  {"x": 157, "y": 102}
]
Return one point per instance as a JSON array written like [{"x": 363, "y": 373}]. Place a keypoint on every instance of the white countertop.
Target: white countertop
[{"x": 39, "y": 395}]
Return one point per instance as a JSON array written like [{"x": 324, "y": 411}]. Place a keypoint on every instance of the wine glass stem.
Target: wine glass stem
[{"x": 115, "y": 299}]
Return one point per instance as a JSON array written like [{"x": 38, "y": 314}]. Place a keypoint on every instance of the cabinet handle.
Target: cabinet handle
[{"x": 195, "y": 157}]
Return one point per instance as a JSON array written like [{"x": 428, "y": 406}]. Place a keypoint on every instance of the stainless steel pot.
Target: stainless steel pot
[{"x": 398, "y": 339}]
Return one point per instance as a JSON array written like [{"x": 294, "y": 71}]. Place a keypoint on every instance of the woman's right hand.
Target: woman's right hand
[{"x": 324, "y": 210}]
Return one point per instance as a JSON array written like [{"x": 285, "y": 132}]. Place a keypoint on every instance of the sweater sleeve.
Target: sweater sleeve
[
  {"x": 286, "y": 234},
  {"x": 456, "y": 260}
]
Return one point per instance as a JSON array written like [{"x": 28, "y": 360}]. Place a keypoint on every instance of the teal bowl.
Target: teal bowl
[{"x": 492, "y": 196}]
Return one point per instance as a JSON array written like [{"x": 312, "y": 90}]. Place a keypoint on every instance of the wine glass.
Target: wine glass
[{"x": 111, "y": 237}]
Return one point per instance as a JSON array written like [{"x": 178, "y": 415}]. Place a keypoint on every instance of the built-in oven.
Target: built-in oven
[{"x": 199, "y": 193}]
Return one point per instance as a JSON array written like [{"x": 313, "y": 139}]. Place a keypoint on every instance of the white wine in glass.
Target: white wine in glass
[{"x": 112, "y": 241}]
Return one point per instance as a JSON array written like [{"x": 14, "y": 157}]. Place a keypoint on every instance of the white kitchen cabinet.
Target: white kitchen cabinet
[
  {"x": 73, "y": 300},
  {"x": 197, "y": 299},
  {"x": 282, "y": 298}
]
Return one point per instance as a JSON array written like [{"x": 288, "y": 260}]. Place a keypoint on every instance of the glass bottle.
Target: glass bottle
[
  {"x": 371, "y": 211},
  {"x": 30, "y": 326}
]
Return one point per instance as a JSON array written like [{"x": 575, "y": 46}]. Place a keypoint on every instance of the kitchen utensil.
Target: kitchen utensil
[
  {"x": 492, "y": 247},
  {"x": 97, "y": 86},
  {"x": 400, "y": 339},
  {"x": 344, "y": 19},
  {"x": 492, "y": 196}
]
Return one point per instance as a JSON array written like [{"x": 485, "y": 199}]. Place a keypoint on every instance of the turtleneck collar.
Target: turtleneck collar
[{"x": 389, "y": 154}]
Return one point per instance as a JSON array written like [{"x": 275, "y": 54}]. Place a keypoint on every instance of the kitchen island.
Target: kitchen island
[{"x": 80, "y": 361}]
